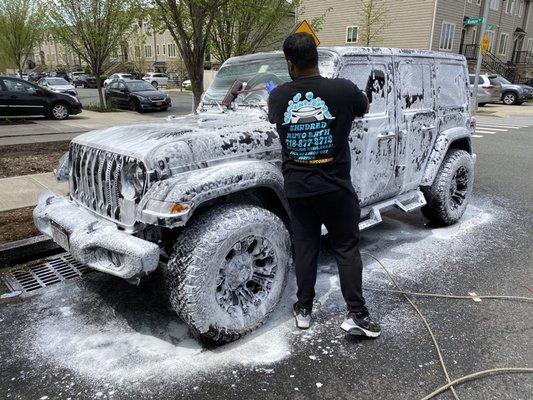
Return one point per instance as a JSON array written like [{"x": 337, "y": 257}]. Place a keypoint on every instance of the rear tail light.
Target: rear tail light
[{"x": 488, "y": 86}]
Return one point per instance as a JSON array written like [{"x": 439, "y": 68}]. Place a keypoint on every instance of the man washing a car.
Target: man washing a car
[{"x": 313, "y": 116}]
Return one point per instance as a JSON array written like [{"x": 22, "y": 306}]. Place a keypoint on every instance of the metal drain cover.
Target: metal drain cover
[{"x": 50, "y": 271}]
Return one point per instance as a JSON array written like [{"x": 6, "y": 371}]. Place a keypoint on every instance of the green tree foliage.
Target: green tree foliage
[
  {"x": 374, "y": 14},
  {"x": 244, "y": 27},
  {"x": 20, "y": 31},
  {"x": 190, "y": 23},
  {"x": 94, "y": 29}
]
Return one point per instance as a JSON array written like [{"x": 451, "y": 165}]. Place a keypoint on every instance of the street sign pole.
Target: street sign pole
[{"x": 479, "y": 53}]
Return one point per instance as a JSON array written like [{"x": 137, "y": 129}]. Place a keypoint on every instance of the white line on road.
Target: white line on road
[
  {"x": 476, "y": 136},
  {"x": 484, "y": 131},
  {"x": 493, "y": 129},
  {"x": 514, "y": 126}
]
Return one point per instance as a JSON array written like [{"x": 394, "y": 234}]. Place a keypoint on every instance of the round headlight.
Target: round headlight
[{"x": 132, "y": 180}]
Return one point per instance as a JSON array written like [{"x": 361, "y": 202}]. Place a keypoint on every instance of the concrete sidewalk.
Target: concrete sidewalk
[
  {"x": 504, "y": 111},
  {"x": 23, "y": 191}
]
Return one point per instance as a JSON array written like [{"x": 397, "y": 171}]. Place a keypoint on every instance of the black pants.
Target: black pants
[{"x": 339, "y": 212}]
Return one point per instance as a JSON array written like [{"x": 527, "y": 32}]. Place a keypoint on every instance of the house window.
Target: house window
[
  {"x": 520, "y": 8},
  {"x": 502, "y": 48},
  {"x": 495, "y": 5},
  {"x": 474, "y": 35},
  {"x": 148, "y": 50},
  {"x": 164, "y": 49},
  {"x": 530, "y": 45},
  {"x": 509, "y": 6},
  {"x": 171, "y": 50},
  {"x": 446, "y": 36},
  {"x": 351, "y": 34},
  {"x": 478, "y": 2},
  {"x": 157, "y": 49}
]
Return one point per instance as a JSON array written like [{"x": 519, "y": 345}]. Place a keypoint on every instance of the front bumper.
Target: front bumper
[
  {"x": 154, "y": 106},
  {"x": 94, "y": 241}
]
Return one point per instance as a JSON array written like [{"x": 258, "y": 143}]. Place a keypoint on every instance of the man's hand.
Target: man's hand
[{"x": 270, "y": 86}]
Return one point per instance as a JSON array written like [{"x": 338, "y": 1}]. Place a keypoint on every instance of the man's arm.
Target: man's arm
[
  {"x": 272, "y": 102},
  {"x": 360, "y": 103}
]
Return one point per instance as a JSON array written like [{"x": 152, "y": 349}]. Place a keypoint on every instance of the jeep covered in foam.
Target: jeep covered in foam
[{"x": 201, "y": 196}]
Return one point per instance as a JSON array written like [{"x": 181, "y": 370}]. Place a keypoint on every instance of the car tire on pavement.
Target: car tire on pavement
[
  {"x": 133, "y": 106},
  {"x": 59, "y": 111},
  {"x": 509, "y": 98},
  {"x": 228, "y": 271},
  {"x": 450, "y": 192}
]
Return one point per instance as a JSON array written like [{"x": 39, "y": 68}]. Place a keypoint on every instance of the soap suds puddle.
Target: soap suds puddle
[{"x": 100, "y": 338}]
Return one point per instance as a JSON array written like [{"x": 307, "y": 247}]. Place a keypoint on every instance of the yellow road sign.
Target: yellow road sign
[
  {"x": 485, "y": 44},
  {"x": 305, "y": 27}
]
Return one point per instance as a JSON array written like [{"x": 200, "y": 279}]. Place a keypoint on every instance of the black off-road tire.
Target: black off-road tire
[
  {"x": 441, "y": 209},
  {"x": 200, "y": 252}
]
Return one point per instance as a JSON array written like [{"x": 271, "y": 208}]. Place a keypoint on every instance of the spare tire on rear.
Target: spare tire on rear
[{"x": 228, "y": 270}]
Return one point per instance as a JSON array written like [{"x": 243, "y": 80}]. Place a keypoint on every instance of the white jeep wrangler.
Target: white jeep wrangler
[{"x": 202, "y": 195}]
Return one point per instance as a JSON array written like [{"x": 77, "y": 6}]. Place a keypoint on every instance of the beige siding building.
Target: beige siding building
[{"x": 443, "y": 25}]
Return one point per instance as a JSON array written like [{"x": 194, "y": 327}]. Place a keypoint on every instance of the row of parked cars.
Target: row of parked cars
[{"x": 495, "y": 88}]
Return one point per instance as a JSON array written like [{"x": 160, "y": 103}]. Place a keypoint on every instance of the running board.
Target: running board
[{"x": 371, "y": 215}]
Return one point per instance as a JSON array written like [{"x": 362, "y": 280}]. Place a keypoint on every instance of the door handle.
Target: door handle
[{"x": 386, "y": 135}]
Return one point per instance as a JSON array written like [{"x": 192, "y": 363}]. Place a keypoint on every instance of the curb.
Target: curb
[{"x": 26, "y": 249}]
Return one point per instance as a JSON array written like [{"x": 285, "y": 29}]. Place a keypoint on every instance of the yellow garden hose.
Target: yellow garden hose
[{"x": 450, "y": 384}]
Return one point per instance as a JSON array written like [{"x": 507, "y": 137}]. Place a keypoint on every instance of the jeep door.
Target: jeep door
[
  {"x": 373, "y": 137},
  {"x": 416, "y": 118}
]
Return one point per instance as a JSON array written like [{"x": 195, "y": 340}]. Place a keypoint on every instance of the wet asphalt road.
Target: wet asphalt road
[{"x": 101, "y": 338}]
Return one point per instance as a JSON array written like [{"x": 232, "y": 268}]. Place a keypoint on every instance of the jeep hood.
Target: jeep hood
[{"x": 188, "y": 140}]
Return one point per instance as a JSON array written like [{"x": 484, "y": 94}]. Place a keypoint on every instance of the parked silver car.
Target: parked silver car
[
  {"x": 488, "y": 92},
  {"x": 58, "y": 85},
  {"x": 202, "y": 195}
]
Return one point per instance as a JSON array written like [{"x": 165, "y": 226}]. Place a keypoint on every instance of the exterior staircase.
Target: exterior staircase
[{"x": 492, "y": 64}]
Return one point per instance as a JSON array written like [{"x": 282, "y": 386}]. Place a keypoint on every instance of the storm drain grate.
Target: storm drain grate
[{"x": 52, "y": 270}]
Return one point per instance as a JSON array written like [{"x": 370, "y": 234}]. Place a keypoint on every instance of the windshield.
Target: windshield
[
  {"x": 140, "y": 86},
  {"x": 255, "y": 74},
  {"x": 57, "y": 81}
]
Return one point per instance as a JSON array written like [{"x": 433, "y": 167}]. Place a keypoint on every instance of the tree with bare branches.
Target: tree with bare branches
[
  {"x": 190, "y": 23},
  {"x": 94, "y": 29},
  {"x": 374, "y": 14}
]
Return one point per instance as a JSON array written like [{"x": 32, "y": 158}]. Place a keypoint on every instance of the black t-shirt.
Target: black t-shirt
[{"x": 313, "y": 117}]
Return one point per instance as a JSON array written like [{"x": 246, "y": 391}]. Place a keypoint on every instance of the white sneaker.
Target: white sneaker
[{"x": 302, "y": 316}]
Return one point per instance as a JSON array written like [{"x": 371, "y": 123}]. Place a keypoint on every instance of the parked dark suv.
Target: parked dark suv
[
  {"x": 137, "y": 95},
  {"x": 18, "y": 97}
]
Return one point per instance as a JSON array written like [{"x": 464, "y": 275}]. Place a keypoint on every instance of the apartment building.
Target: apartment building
[{"x": 444, "y": 25}]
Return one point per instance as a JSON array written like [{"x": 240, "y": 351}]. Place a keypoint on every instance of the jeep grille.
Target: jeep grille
[{"x": 95, "y": 181}]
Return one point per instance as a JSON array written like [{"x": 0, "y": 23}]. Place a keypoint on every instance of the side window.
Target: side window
[
  {"x": 451, "y": 85},
  {"x": 17, "y": 86},
  {"x": 415, "y": 90},
  {"x": 121, "y": 87},
  {"x": 113, "y": 85},
  {"x": 373, "y": 78}
]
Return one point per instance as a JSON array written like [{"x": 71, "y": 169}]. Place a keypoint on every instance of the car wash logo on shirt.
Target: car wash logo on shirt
[
  {"x": 309, "y": 139},
  {"x": 307, "y": 110}
]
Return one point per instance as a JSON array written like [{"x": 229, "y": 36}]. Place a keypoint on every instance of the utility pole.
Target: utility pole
[{"x": 479, "y": 53}]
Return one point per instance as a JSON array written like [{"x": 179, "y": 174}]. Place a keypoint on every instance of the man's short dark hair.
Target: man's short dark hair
[{"x": 300, "y": 49}]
